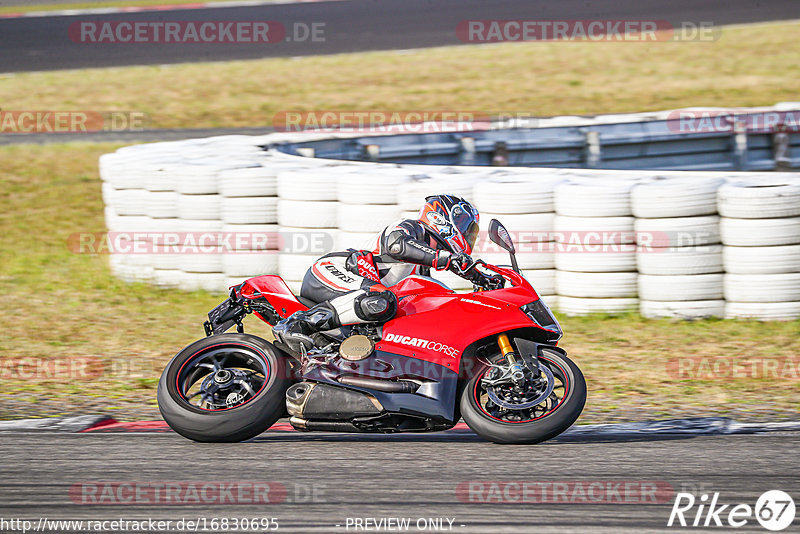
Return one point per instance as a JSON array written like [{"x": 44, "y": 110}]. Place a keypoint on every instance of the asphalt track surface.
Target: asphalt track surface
[
  {"x": 412, "y": 476},
  {"x": 43, "y": 43}
]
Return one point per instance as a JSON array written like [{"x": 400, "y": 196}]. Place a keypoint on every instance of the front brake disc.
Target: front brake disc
[{"x": 524, "y": 406}]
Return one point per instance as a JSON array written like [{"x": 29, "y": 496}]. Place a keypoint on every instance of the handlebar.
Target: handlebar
[{"x": 481, "y": 280}]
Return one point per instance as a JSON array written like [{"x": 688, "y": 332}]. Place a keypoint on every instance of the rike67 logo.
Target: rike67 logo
[{"x": 774, "y": 510}]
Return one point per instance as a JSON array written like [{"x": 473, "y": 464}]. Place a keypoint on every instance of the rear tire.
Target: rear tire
[
  {"x": 238, "y": 423},
  {"x": 542, "y": 428}
]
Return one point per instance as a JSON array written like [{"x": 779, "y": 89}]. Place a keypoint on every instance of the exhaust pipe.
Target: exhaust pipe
[
  {"x": 402, "y": 386},
  {"x": 323, "y": 426}
]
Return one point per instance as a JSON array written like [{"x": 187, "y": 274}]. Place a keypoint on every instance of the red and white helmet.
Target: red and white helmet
[{"x": 453, "y": 219}]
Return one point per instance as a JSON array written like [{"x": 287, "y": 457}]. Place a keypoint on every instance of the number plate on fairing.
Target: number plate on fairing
[{"x": 215, "y": 315}]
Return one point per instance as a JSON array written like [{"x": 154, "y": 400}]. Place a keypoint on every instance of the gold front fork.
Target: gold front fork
[
  {"x": 506, "y": 349},
  {"x": 515, "y": 367}
]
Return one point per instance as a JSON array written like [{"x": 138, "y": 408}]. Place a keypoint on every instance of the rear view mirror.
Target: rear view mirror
[{"x": 500, "y": 236}]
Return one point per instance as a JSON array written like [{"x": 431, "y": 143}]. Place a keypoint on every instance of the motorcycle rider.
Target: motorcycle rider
[{"x": 350, "y": 286}]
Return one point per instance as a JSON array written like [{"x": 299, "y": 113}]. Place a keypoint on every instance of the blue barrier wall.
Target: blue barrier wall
[{"x": 644, "y": 144}]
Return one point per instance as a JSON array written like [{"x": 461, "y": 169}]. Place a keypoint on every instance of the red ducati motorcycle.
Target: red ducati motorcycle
[{"x": 489, "y": 357}]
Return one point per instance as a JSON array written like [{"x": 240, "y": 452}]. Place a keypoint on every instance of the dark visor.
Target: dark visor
[{"x": 465, "y": 223}]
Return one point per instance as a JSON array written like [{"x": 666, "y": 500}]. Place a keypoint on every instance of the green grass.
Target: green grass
[
  {"x": 61, "y": 305},
  {"x": 747, "y": 66}
]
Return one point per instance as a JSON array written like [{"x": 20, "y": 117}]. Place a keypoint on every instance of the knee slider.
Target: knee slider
[{"x": 376, "y": 307}]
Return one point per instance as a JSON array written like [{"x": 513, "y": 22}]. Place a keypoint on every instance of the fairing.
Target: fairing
[
  {"x": 275, "y": 290},
  {"x": 436, "y": 325}
]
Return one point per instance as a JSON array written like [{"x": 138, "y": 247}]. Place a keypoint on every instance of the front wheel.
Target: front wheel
[
  {"x": 224, "y": 388},
  {"x": 540, "y": 409}
]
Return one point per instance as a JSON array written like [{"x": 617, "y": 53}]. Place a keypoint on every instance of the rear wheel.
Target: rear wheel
[
  {"x": 537, "y": 410},
  {"x": 224, "y": 388}
]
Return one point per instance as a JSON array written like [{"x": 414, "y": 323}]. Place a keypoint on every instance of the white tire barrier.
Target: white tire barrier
[
  {"x": 524, "y": 227},
  {"x": 604, "y": 230},
  {"x": 196, "y": 180},
  {"x": 623, "y": 260},
  {"x": 197, "y": 227},
  {"x": 675, "y": 197},
  {"x": 165, "y": 231},
  {"x": 667, "y": 288},
  {"x": 596, "y": 285},
  {"x": 765, "y": 311},
  {"x": 357, "y": 240},
  {"x": 679, "y": 260},
  {"x": 593, "y": 198},
  {"x": 167, "y": 278},
  {"x": 366, "y": 217},
  {"x": 110, "y": 165},
  {"x": 251, "y": 236},
  {"x": 308, "y": 241},
  {"x": 372, "y": 187},
  {"x": 678, "y": 231},
  {"x": 123, "y": 269},
  {"x": 294, "y": 266},
  {"x": 760, "y": 232},
  {"x": 452, "y": 280},
  {"x": 201, "y": 176},
  {"x": 250, "y": 210},
  {"x": 248, "y": 182},
  {"x": 303, "y": 214},
  {"x": 129, "y": 201},
  {"x": 759, "y": 198},
  {"x": 762, "y": 260},
  {"x": 532, "y": 260},
  {"x": 542, "y": 280},
  {"x": 128, "y": 223},
  {"x": 411, "y": 194},
  {"x": 515, "y": 194},
  {"x": 586, "y": 306},
  {"x": 308, "y": 184},
  {"x": 689, "y": 309},
  {"x": 784, "y": 287},
  {"x": 107, "y": 193},
  {"x": 211, "y": 282},
  {"x": 161, "y": 204},
  {"x": 165, "y": 258},
  {"x": 202, "y": 260},
  {"x": 173, "y": 196},
  {"x": 158, "y": 176},
  {"x": 206, "y": 207},
  {"x": 249, "y": 264}
]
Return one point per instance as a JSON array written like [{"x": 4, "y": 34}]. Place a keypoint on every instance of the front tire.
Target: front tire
[
  {"x": 237, "y": 413},
  {"x": 553, "y": 419}
]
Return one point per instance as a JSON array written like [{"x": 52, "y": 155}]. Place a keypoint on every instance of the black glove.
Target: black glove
[
  {"x": 495, "y": 281},
  {"x": 486, "y": 281},
  {"x": 461, "y": 263}
]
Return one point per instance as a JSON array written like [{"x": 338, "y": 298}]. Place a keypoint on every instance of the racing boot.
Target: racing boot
[
  {"x": 295, "y": 331},
  {"x": 376, "y": 305}
]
